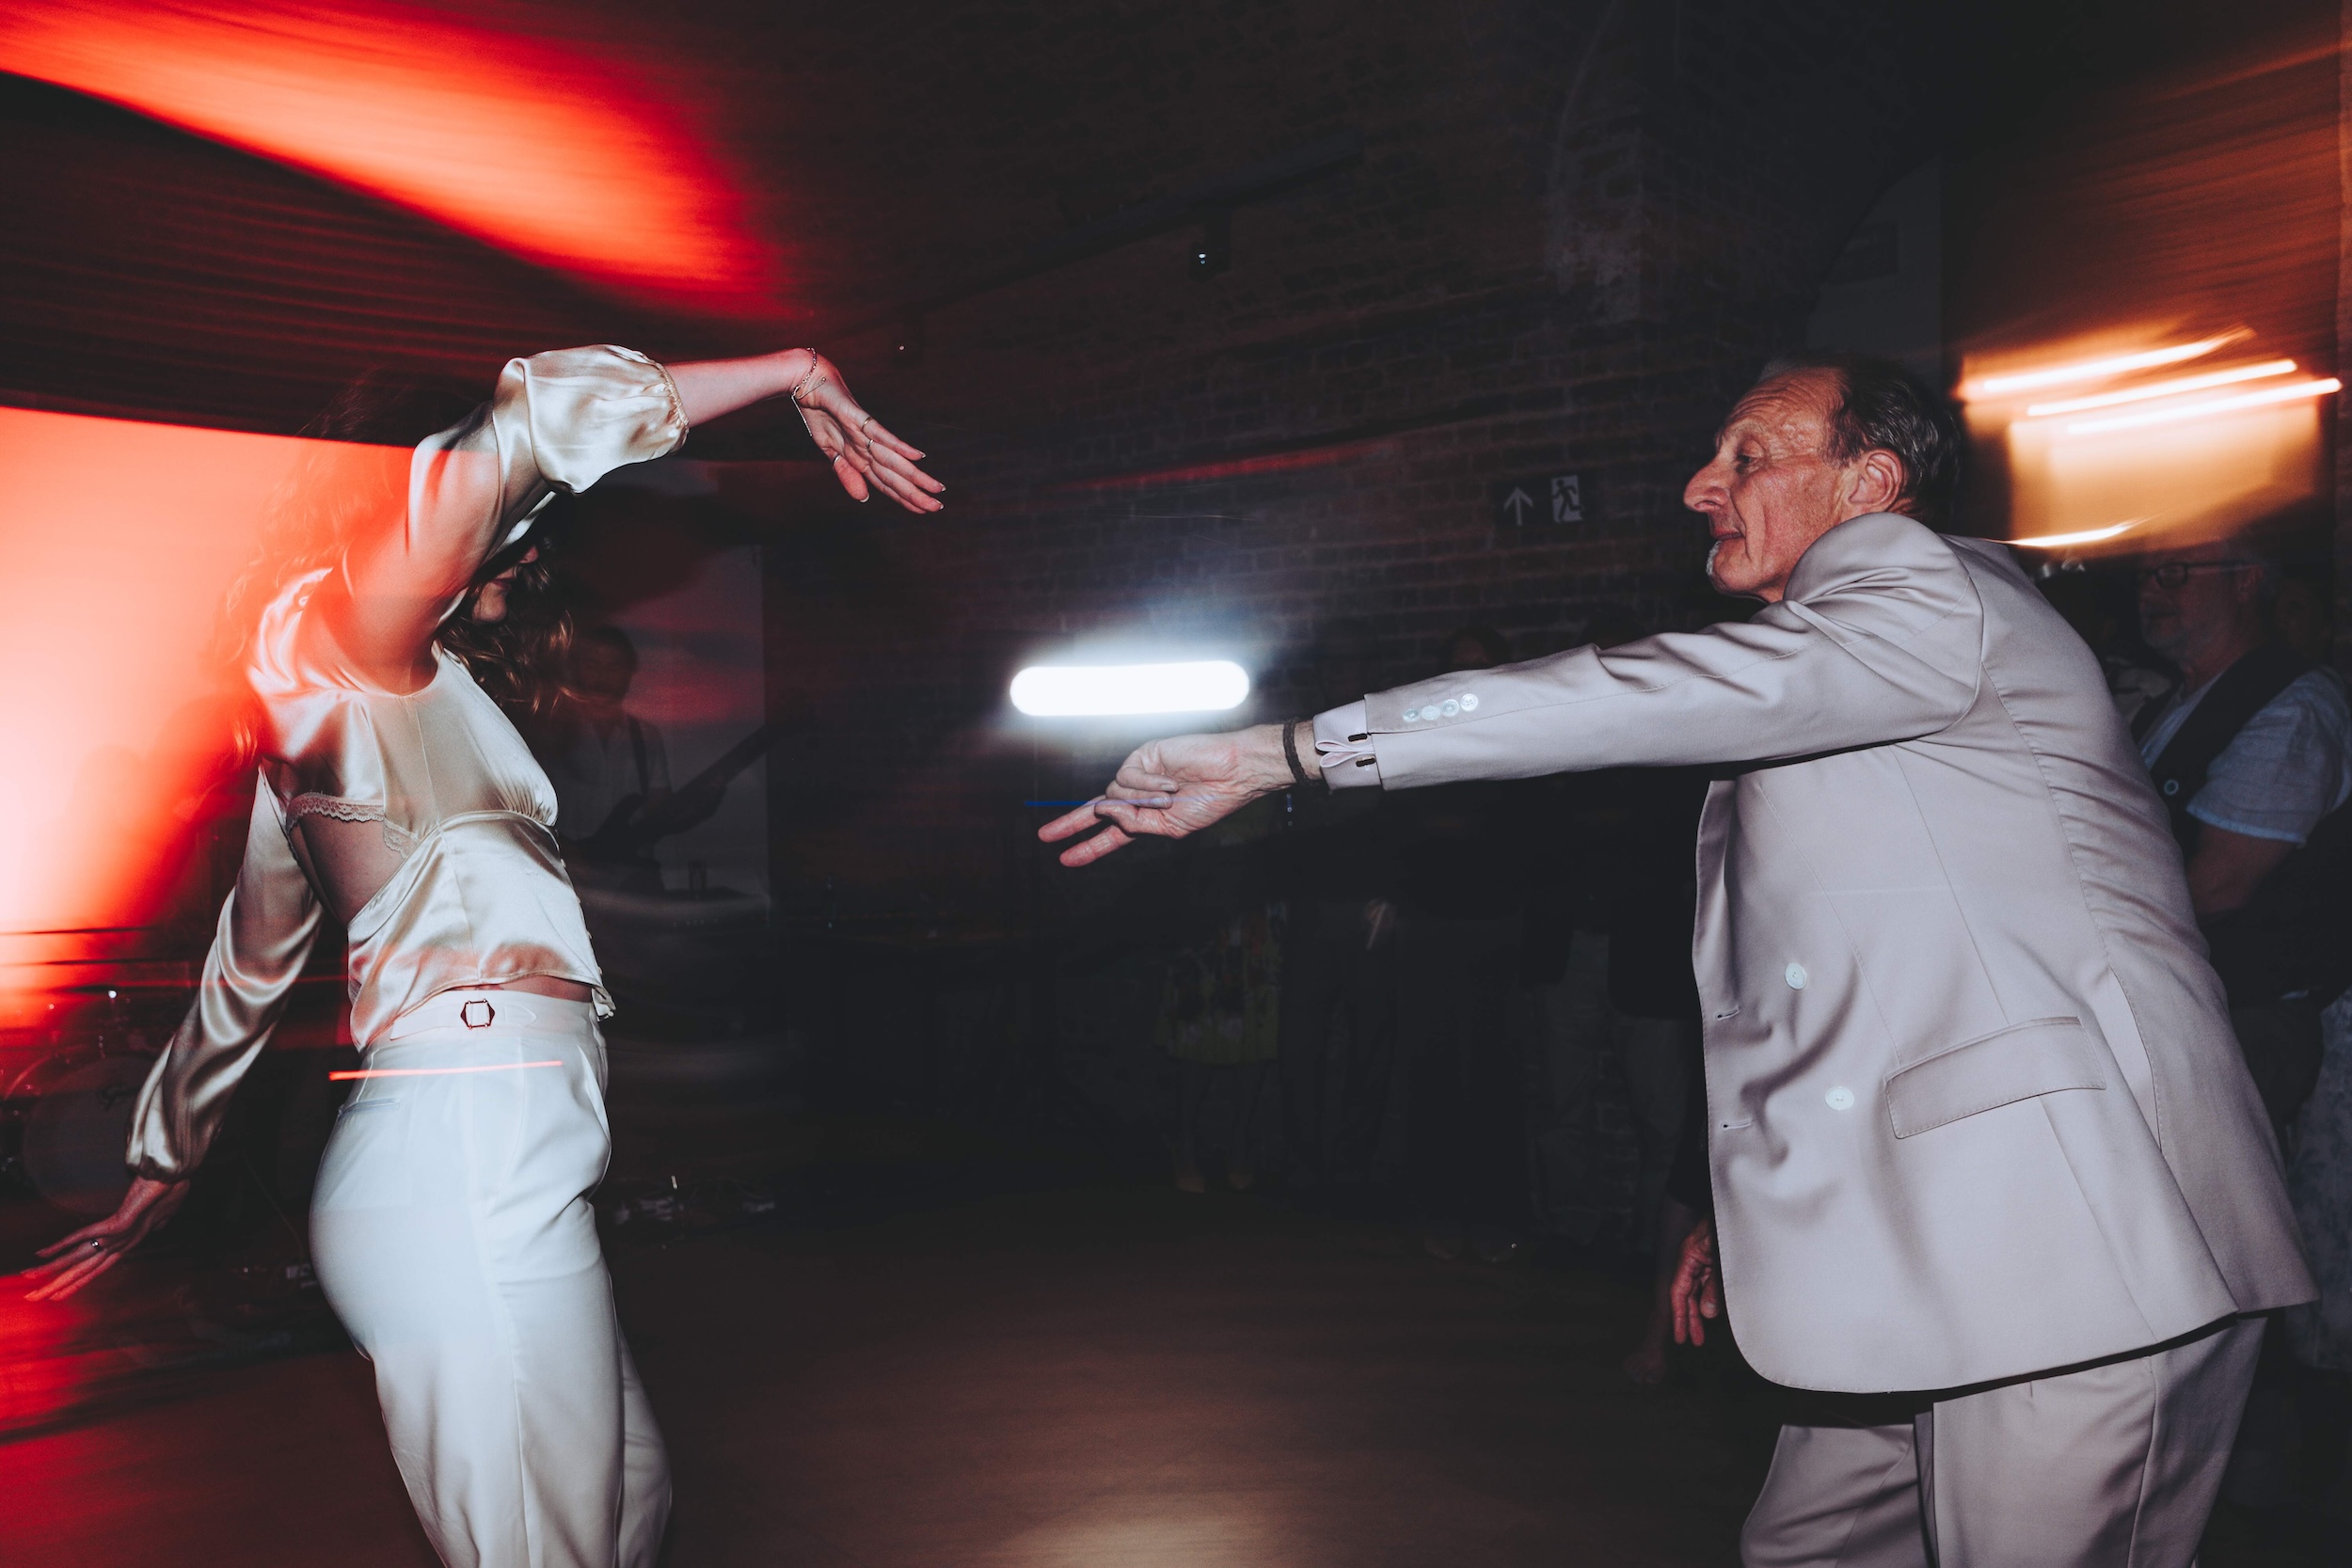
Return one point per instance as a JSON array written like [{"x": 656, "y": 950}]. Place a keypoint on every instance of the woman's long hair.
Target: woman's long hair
[{"x": 325, "y": 502}]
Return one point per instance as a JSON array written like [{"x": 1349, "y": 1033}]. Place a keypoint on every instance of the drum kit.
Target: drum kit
[{"x": 65, "y": 1114}]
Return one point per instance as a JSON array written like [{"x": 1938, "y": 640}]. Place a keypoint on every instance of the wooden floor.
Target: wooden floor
[{"x": 1110, "y": 1376}]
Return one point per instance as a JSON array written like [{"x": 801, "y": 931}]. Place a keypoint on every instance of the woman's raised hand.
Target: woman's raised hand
[
  {"x": 865, "y": 456},
  {"x": 90, "y": 1251}
]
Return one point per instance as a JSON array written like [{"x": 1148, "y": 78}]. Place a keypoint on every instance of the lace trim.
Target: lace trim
[
  {"x": 331, "y": 805},
  {"x": 398, "y": 840}
]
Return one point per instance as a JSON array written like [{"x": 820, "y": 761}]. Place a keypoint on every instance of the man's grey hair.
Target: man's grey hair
[{"x": 1882, "y": 407}]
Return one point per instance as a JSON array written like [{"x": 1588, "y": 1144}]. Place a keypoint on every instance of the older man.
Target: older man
[{"x": 1977, "y": 1127}]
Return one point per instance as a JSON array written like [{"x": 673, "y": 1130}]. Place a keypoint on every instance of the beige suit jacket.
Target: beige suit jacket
[{"x": 1975, "y": 1109}]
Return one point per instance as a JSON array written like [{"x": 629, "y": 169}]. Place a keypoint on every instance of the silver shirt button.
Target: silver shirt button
[
  {"x": 1840, "y": 1097},
  {"x": 1795, "y": 975}
]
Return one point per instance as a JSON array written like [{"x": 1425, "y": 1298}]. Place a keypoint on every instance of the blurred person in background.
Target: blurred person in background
[
  {"x": 1610, "y": 979},
  {"x": 1949, "y": 971},
  {"x": 449, "y": 1225},
  {"x": 2253, "y": 756},
  {"x": 2100, "y": 608},
  {"x": 1338, "y": 993},
  {"x": 1653, "y": 1025},
  {"x": 1462, "y": 890},
  {"x": 1221, "y": 1003},
  {"x": 611, "y": 769}
]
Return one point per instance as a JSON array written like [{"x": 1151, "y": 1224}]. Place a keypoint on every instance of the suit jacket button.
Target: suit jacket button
[
  {"x": 1410, "y": 713},
  {"x": 1449, "y": 707},
  {"x": 1795, "y": 975},
  {"x": 1840, "y": 1097},
  {"x": 1469, "y": 702}
]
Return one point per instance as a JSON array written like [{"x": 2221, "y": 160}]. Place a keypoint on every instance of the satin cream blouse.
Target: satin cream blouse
[{"x": 421, "y": 816}]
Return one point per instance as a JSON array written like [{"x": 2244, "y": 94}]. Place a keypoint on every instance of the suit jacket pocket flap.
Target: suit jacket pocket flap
[{"x": 2038, "y": 1057}]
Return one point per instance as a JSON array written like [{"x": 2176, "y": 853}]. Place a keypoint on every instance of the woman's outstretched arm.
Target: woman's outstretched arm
[
  {"x": 865, "y": 456},
  {"x": 265, "y": 936},
  {"x": 561, "y": 421}
]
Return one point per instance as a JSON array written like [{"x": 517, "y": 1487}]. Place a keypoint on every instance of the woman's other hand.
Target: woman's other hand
[{"x": 90, "y": 1251}]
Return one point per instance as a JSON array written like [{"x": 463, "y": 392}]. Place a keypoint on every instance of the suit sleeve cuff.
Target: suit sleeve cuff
[{"x": 1343, "y": 745}]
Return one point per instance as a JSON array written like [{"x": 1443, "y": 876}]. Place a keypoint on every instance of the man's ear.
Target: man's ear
[{"x": 1876, "y": 482}]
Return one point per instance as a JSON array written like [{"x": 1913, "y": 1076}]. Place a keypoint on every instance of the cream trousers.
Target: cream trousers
[
  {"x": 453, "y": 1237},
  {"x": 2112, "y": 1465}
]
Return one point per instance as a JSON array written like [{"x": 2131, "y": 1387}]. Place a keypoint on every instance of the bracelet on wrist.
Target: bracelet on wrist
[
  {"x": 1290, "y": 751},
  {"x": 816, "y": 361}
]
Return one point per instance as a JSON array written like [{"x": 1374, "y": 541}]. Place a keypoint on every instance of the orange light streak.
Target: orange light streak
[
  {"x": 2208, "y": 405},
  {"x": 2162, "y": 388},
  {"x": 434, "y": 1072},
  {"x": 2097, "y": 369},
  {"x": 541, "y": 150},
  {"x": 2082, "y": 536}
]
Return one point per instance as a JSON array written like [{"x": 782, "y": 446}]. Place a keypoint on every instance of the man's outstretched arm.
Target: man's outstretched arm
[
  {"x": 1171, "y": 788},
  {"x": 1881, "y": 646}
]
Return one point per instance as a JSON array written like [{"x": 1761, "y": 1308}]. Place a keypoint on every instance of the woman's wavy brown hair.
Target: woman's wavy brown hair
[{"x": 519, "y": 661}]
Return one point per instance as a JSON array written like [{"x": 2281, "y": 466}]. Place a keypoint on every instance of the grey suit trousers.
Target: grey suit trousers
[{"x": 2112, "y": 1465}]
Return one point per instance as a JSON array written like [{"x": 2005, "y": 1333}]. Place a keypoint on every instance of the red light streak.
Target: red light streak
[
  {"x": 1237, "y": 467},
  {"x": 118, "y": 542},
  {"x": 540, "y": 150},
  {"x": 434, "y": 1072}
]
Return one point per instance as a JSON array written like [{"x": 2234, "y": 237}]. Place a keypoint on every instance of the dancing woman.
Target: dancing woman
[{"x": 451, "y": 1225}]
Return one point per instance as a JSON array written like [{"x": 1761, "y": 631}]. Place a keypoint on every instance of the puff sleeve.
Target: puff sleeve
[
  {"x": 558, "y": 421},
  {"x": 265, "y": 936},
  {"x": 563, "y": 420}
]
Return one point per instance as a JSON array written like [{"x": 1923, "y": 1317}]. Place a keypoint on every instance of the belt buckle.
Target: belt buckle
[{"x": 466, "y": 1014}]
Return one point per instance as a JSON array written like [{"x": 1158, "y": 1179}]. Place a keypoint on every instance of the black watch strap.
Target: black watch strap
[{"x": 1290, "y": 750}]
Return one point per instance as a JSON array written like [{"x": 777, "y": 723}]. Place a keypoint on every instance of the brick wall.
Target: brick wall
[{"x": 1574, "y": 233}]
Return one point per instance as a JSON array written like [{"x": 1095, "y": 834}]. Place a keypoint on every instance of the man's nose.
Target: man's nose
[{"x": 1705, "y": 490}]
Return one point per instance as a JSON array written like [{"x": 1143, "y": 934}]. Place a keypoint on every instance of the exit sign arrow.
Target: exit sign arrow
[{"x": 1541, "y": 498}]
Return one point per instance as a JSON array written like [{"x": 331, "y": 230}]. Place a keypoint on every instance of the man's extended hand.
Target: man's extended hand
[
  {"x": 1697, "y": 1293},
  {"x": 1171, "y": 788}
]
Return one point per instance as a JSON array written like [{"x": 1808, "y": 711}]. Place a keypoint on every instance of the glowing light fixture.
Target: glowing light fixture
[
  {"x": 2204, "y": 407},
  {"x": 2084, "y": 536},
  {"x": 2097, "y": 369},
  {"x": 1100, "y": 690},
  {"x": 2163, "y": 389}
]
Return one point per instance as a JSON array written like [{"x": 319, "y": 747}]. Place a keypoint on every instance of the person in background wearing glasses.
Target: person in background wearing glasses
[
  {"x": 2252, "y": 758},
  {"x": 2283, "y": 765}
]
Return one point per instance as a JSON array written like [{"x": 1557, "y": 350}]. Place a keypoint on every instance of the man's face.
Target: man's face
[
  {"x": 2190, "y": 598},
  {"x": 1771, "y": 490},
  {"x": 601, "y": 674}
]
